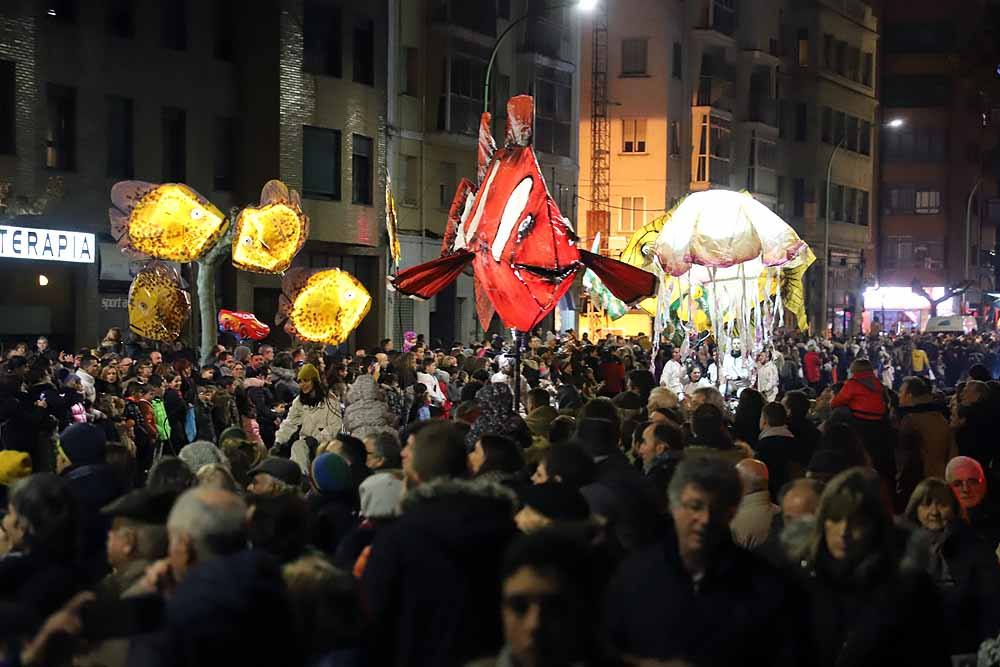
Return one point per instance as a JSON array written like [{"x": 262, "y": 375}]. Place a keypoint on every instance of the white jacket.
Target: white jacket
[
  {"x": 767, "y": 381},
  {"x": 673, "y": 377},
  {"x": 323, "y": 421}
]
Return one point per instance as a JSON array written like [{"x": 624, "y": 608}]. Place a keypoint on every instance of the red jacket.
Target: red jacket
[
  {"x": 864, "y": 395},
  {"x": 811, "y": 364}
]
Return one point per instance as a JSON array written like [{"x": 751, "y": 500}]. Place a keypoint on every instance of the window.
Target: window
[
  {"x": 553, "y": 109},
  {"x": 678, "y": 61},
  {"x": 826, "y": 125},
  {"x": 121, "y": 18},
  {"x": 841, "y": 58},
  {"x": 803, "y": 47},
  {"x": 224, "y": 176},
  {"x": 120, "y": 139},
  {"x": 850, "y": 205},
  {"x": 174, "y": 145},
  {"x": 633, "y": 57},
  {"x": 798, "y": 197},
  {"x": 448, "y": 183},
  {"x": 915, "y": 144},
  {"x": 173, "y": 25},
  {"x": 8, "y": 112},
  {"x": 632, "y": 214},
  {"x": 63, "y": 11},
  {"x": 411, "y": 70},
  {"x": 468, "y": 70},
  {"x": 828, "y": 51},
  {"x": 634, "y": 135},
  {"x": 854, "y": 64},
  {"x": 863, "y": 203},
  {"x": 410, "y": 184},
  {"x": 839, "y": 126},
  {"x": 899, "y": 200},
  {"x": 801, "y": 122},
  {"x": 320, "y": 163},
  {"x": 760, "y": 172},
  {"x": 836, "y": 202},
  {"x": 321, "y": 39},
  {"x": 225, "y": 43},
  {"x": 60, "y": 132},
  {"x": 675, "y": 138},
  {"x": 782, "y": 119},
  {"x": 714, "y": 150},
  {"x": 928, "y": 202},
  {"x": 866, "y": 69},
  {"x": 361, "y": 169},
  {"x": 364, "y": 52},
  {"x": 865, "y": 140},
  {"x": 916, "y": 90},
  {"x": 852, "y": 134}
]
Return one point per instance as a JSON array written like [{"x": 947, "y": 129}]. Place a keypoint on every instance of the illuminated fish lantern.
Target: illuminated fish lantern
[
  {"x": 523, "y": 251},
  {"x": 268, "y": 236},
  {"x": 158, "y": 304},
  {"x": 169, "y": 221},
  {"x": 322, "y": 306}
]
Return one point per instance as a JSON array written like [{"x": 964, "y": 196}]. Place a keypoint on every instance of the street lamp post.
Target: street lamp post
[
  {"x": 826, "y": 236},
  {"x": 586, "y": 5},
  {"x": 968, "y": 235}
]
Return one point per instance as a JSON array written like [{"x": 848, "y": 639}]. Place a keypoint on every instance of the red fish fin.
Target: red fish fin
[
  {"x": 484, "y": 307},
  {"x": 520, "y": 120},
  {"x": 427, "y": 279},
  {"x": 625, "y": 281},
  {"x": 487, "y": 146},
  {"x": 274, "y": 192},
  {"x": 464, "y": 189},
  {"x": 125, "y": 194}
]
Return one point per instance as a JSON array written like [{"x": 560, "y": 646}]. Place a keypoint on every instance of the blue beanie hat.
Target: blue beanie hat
[
  {"x": 83, "y": 444},
  {"x": 331, "y": 473}
]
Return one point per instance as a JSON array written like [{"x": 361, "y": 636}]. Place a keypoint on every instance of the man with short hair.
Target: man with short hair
[
  {"x": 721, "y": 604},
  {"x": 755, "y": 518},
  {"x": 800, "y": 500},
  {"x": 541, "y": 414},
  {"x": 41, "y": 345},
  {"x": 383, "y": 452},
  {"x": 414, "y": 566},
  {"x": 673, "y": 373},
  {"x": 89, "y": 368},
  {"x": 777, "y": 448},
  {"x": 967, "y": 480},
  {"x": 926, "y": 442}
]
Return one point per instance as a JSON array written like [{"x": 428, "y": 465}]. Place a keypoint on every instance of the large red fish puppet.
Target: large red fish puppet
[{"x": 523, "y": 251}]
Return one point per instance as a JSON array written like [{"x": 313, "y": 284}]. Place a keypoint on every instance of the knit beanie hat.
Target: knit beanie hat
[
  {"x": 331, "y": 473},
  {"x": 308, "y": 372},
  {"x": 556, "y": 501},
  {"x": 14, "y": 465},
  {"x": 83, "y": 444},
  {"x": 380, "y": 496},
  {"x": 200, "y": 453}
]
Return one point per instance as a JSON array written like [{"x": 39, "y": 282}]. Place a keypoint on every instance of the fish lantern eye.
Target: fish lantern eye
[
  {"x": 349, "y": 295},
  {"x": 247, "y": 241},
  {"x": 197, "y": 214}
]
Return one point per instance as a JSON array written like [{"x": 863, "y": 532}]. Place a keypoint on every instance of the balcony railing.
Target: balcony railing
[
  {"x": 716, "y": 16},
  {"x": 714, "y": 92},
  {"x": 474, "y": 16}
]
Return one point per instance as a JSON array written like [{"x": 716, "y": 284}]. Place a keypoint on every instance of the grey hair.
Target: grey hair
[
  {"x": 712, "y": 396},
  {"x": 712, "y": 474},
  {"x": 215, "y": 520}
]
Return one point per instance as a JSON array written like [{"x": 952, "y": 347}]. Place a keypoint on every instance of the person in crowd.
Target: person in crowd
[
  {"x": 766, "y": 376},
  {"x": 275, "y": 476},
  {"x": 746, "y": 420},
  {"x": 495, "y": 458},
  {"x": 710, "y": 435},
  {"x": 314, "y": 413},
  {"x": 327, "y": 613},
  {"x": 497, "y": 416},
  {"x": 863, "y": 590},
  {"x": 540, "y": 413},
  {"x": 383, "y": 453},
  {"x": 367, "y": 413},
  {"x": 755, "y": 517},
  {"x": 778, "y": 448},
  {"x": 136, "y": 539},
  {"x": 565, "y": 463},
  {"x": 966, "y": 478},
  {"x": 673, "y": 375},
  {"x": 926, "y": 442},
  {"x": 545, "y": 506},
  {"x": 697, "y": 576}
]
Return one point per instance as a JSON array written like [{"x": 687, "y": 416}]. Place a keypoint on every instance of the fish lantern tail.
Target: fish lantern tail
[
  {"x": 487, "y": 147},
  {"x": 427, "y": 279},
  {"x": 520, "y": 121},
  {"x": 627, "y": 282}
]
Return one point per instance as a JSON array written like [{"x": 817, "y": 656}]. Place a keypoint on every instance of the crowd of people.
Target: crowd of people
[{"x": 813, "y": 502}]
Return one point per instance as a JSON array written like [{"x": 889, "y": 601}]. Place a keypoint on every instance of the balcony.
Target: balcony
[
  {"x": 762, "y": 181},
  {"x": 544, "y": 37},
  {"x": 476, "y": 17},
  {"x": 715, "y": 92},
  {"x": 763, "y": 110},
  {"x": 717, "y": 16}
]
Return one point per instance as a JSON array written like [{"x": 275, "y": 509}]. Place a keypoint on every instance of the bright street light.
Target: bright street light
[
  {"x": 587, "y": 5},
  {"x": 896, "y": 123}
]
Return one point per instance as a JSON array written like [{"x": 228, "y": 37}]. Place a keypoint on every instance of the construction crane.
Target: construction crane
[{"x": 599, "y": 214}]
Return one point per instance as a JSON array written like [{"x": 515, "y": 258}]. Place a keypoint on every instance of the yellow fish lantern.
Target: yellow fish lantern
[
  {"x": 158, "y": 304},
  {"x": 169, "y": 221},
  {"x": 323, "y": 306},
  {"x": 269, "y": 236}
]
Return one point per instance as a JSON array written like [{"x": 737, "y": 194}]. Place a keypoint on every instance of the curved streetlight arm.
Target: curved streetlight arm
[
  {"x": 826, "y": 236},
  {"x": 506, "y": 31}
]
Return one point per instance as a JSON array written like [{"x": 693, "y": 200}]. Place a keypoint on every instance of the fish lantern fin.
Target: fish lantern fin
[
  {"x": 487, "y": 146},
  {"x": 520, "y": 121},
  {"x": 484, "y": 307},
  {"x": 427, "y": 279},
  {"x": 126, "y": 194},
  {"x": 627, "y": 282},
  {"x": 275, "y": 192},
  {"x": 465, "y": 189}
]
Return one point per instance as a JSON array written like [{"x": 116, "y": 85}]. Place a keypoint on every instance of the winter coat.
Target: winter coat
[
  {"x": 320, "y": 419},
  {"x": 366, "y": 412},
  {"x": 162, "y": 421},
  {"x": 741, "y": 612},
  {"x": 283, "y": 385},
  {"x": 811, "y": 364},
  {"x": 863, "y": 394},
  {"x": 497, "y": 416},
  {"x": 32, "y": 586},
  {"x": 754, "y": 519},
  {"x": 331, "y": 518},
  {"x": 883, "y": 612},
  {"x": 779, "y": 449},
  {"x": 431, "y": 582},
  {"x": 93, "y": 487},
  {"x": 177, "y": 418},
  {"x": 204, "y": 423},
  {"x": 263, "y": 401},
  {"x": 925, "y": 441}
]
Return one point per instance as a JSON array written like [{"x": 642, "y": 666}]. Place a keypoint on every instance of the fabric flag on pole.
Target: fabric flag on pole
[
  {"x": 390, "y": 223},
  {"x": 613, "y": 307}
]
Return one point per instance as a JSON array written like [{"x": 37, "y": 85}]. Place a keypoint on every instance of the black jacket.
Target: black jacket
[
  {"x": 32, "y": 586},
  {"x": 784, "y": 459},
  {"x": 93, "y": 486},
  {"x": 741, "y": 613},
  {"x": 431, "y": 586}
]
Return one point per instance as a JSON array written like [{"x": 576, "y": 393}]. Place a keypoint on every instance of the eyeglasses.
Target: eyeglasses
[{"x": 971, "y": 482}]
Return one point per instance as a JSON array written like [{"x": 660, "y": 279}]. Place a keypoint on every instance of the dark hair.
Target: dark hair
[
  {"x": 570, "y": 464},
  {"x": 644, "y": 381},
  {"x": 747, "y": 417},
  {"x": 469, "y": 391},
  {"x": 979, "y": 372},
  {"x": 916, "y": 386},
  {"x": 279, "y": 525},
  {"x": 561, "y": 429},
  {"x": 599, "y": 437},
  {"x": 438, "y": 450},
  {"x": 669, "y": 434},
  {"x": 155, "y": 381},
  {"x": 352, "y": 449},
  {"x": 539, "y": 397},
  {"x": 50, "y": 513},
  {"x": 502, "y": 454},
  {"x": 932, "y": 488},
  {"x": 709, "y": 427},
  {"x": 386, "y": 446},
  {"x": 798, "y": 405},
  {"x": 171, "y": 473},
  {"x": 840, "y": 437},
  {"x": 600, "y": 408},
  {"x": 774, "y": 414},
  {"x": 712, "y": 474}
]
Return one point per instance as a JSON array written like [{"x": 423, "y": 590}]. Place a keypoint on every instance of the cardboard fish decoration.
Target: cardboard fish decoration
[
  {"x": 523, "y": 251},
  {"x": 169, "y": 221},
  {"x": 268, "y": 236},
  {"x": 322, "y": 306},
  {"x": 158, "y": 304}
]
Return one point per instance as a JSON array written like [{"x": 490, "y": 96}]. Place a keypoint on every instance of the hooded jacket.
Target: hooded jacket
[
  {"x": 431, "y": 583},
  {"x": 924, "y": 435},
  {"x": 863, "y": 394},
  {"x": 321, "y": 420},
  {"x": 366, "y": 412},
  {"x": 497, "y": 416}
]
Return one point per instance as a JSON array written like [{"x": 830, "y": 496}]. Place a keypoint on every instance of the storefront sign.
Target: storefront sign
[{"x": 51, "y": 245}]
